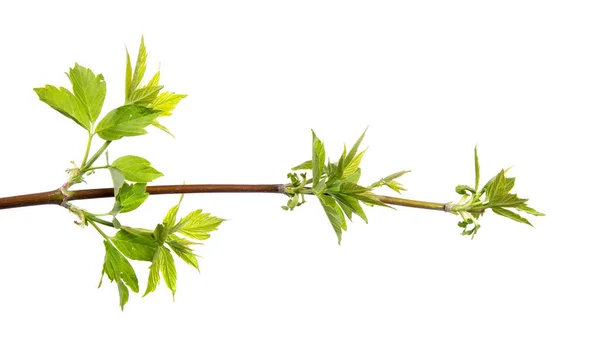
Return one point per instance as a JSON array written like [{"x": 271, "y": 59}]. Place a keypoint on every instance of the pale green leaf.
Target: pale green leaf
[
  {"x": 354, "y": 148},
  {"x": 167, "y": 269},
  {"x": 128, "y": 120},
  {"x": 130, "y": 197},
  {"x": 511, "y": 215},
  {"x": 318, "y": 159},
  {"x": 304, "y": 166},
  {"x": 63, "y": 101},
  {"x": 135, "y": 247},
  {"x": 118, "y": 179},
  {"x": 144, "y": 96},
  {"x": 334, "y": 214},
  {"x": 354, "y": 177},
  {"x": 128, "y": 75},
  {"x": 524, "y": 208},
  {"x": 123, "y": 294},
  {"x": 154, "y": 276},
  {"x": 118, "y": 269},
  {"x": 140, "y": 68},
  {"x": 198, "y": 224},
  {"x": 181, "y": 247},
  {"x": 169, "y": 220},
  {"x": 166, "y": 102},
  {"x": 154, "y": 80},
  {"x": 89, "y": 88},
  {"x": 162, "y": 127},
  {"x": 352, "y": 204},
  {"x": 136, "y": 169},
  {"x": 352, "y": 164}
]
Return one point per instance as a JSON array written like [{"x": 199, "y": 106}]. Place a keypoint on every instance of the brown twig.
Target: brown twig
[{"x": 58, "y": 197}]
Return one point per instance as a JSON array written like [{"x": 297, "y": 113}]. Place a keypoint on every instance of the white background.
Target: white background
[{"x": 520, "y": 79}]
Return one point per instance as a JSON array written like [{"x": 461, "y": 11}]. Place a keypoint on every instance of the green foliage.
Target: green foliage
[
  {"x": 136, "y": 169},
  {"x": 336, "y": 185},
  {"x": 119, "y": 270},
  {"x": 144, "y": 104},
  {"x": 495, "y": 195}
]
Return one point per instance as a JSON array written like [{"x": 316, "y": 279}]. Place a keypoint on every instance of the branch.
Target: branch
[{"x": 58, "y": 197}]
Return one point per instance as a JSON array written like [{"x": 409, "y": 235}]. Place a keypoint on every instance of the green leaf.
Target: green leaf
[
  {"x": 390, "y": 182},
  {"x": 154, "y": 80},
  {"x": 318, "y": 159},
  {"x": 140, "y": 68},
  {"x": 166, "y": 102},
  {"x": 169, "y": 220},
  {"x": 130, "y": 198},
  {"x": 197, "y": 225},
  {"x": 118, "y": 269},
  {"x": 352, "y": 164},
  {"x": 352, "y": 204},
  {"x": 304, "y": 166},
  {"x": 136, "y": 169},
  {"x": 162, "y": 127},
  {"x": 154, "y": 276},
  {"x": 160, "y": 234},
  {"x": 63, "y": 101},
  {"x": 524, "y": 208},
  {"x": 90, "y": 89},
  {"x": 334, "y": 214},
  {"x": 144, "y": 96},
  {"x": 128, "y": 120},
  {"x": 354, "y": 177},
  {"x": 476, "y": 170},
  {"x": 118, "y": 179},
  {"x": 136, "y": 247},
  {"x": 511, "y": 215},
  {"x": 355, "y": 147},
  {"x": 167, "y": 269},
  {"x": 181, "y": 247},
  {"x": 128, "y": 75}
]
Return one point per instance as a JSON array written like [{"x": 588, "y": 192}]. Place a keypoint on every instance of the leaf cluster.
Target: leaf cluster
[
  {"x": 144, "y": 104},
  {"x": 495, "y": 195},
  {"x": 156, "y": 246},
  {"x": 336, "y": 186}
]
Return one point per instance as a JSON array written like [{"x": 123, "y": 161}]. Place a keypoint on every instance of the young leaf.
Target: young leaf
[
  {"x": 352, "y": 204},
  {"x": 511, "y": 215},
  {"x": 352, "y": 164},
  {"x": 90, "y": 89},
  {"x": 169, "y": 220},
  {"x": 128, "y": 120},
  {"x": 140, "y": 68},
  {"x": 181, "y": 247},
  {"x": 63, "y": 101},
  {"x": 334, "y": 214},
  {"x": 144, "y": 96},
  {"x": 128, "y": 76},
  {"x": 118, "y": 179},
  {"x": 167, "y": 269},
  {"x": 166, "y": 102},
  {"x": 162, "y": 127},
  {"x": 524, "y": 208},
  {"x": 135, "y": 247},
  {"x": 136, "y": 169},
  {"x": 130, "y": 198},
  {"x": 197, "y": 225},
  {"x": 118, "y": 269},
  {"x": 304, "y": 166},
  {"x": 354, "y": 148},
  {"x": 154, "y": 276},
  {"x": 318, "y": 159}
]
